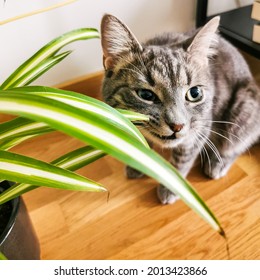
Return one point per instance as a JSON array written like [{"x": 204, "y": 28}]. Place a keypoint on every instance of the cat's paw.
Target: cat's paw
[
  {"x": 166, "y": 196},
  {"x": 216, "y": 169},
  {"x": 132, "y": 173}
]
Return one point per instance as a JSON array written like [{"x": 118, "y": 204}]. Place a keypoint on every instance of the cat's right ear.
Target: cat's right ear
[{"x": 116, "y": 39}]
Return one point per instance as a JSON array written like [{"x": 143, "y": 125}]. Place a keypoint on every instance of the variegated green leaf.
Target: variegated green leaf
[
  {"x": 18, "y": 168},
  {"x": 71, "y": 161},
  {"x": 97, "y": 108},
  {"x": 78, "y": 158},
  {"x": 2, "y": 257},
  {"x": 39, "y": 69},
  {"x": 21, "y": 127},
  {"x": 99, "y": 133},
  {"x": 10, "y": 143},
  {"x": 133, "y": 116},
  {"x": 47, "y": 51}
]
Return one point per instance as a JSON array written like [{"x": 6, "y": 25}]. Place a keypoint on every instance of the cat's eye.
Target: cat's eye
[
  {"x": 194, "y": 94},
  {"x": 146, "y": 94}
]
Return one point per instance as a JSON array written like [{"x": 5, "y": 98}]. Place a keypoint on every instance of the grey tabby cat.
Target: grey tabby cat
[{"x": 196, "y": 88}]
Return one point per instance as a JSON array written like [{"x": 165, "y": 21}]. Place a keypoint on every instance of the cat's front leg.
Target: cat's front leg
[
  {"x": 132, "y": 173},
  {"x": 183, "y": 159}
]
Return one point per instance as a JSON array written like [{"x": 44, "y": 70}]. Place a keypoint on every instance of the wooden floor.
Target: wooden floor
[{"x": 132, "y": 224}]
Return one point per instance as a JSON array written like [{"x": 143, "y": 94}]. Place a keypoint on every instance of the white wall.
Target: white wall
[
  {"x": 219, "y": 6},
  {"x": 20, "y": 39}
]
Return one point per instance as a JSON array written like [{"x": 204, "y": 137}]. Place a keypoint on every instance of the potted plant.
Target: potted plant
[
  {"x": 104, "y": 130},
  {"x": 17, "y": 237}
]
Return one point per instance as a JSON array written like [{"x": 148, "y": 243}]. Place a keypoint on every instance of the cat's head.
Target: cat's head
[{"x": 166, "y": 78}]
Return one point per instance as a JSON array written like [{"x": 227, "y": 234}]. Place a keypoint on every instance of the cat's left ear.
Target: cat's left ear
[
  {"x": 204, "y": 43},
  {"x": 116, "y": 39}
]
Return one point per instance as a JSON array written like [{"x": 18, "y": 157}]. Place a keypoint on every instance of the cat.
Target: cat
[{"x": 196, "y": 89}]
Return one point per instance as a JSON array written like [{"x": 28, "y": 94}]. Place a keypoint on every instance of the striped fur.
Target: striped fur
[{"x": 218, "y": 127}]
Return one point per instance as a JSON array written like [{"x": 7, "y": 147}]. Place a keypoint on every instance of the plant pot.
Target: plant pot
[{"x": 18, "y": 240}]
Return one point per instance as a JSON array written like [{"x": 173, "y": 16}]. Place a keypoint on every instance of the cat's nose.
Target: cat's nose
[{"x": 176, "y": 127}]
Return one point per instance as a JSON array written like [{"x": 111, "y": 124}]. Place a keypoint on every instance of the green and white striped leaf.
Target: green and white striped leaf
[
  {"x": 2, "y": 257},
  {"x": 71, "y": 161},
  {"x": 10, "y": 143},
  {"x": 18, "y": 129},
  {"x": 97, "y": 108},
  {"x": 133, "y": 116},
  {"x": 18, "y": 168},
  {"x": 99, "y": 132},
  {"x": 47, "y": 51},
  {"x": 39, "y": 69},
  {"x": 78, "y": 158}
]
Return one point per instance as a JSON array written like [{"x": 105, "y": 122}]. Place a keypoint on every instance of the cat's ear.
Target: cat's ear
[
  {"x": 205, "y": 41},
  {"x": 116, "y": 39}
]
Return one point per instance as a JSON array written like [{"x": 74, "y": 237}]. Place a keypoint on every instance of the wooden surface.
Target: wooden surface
[
  {"x": 131, "y": 224},
  {"x": 89, "y": 84}
]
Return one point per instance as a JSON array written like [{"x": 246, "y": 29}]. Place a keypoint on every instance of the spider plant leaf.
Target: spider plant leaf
[
  {"x": 133, "y": 116},
  {"x": 71, "y": 161},
  {"x": 78, "y": 158},
  {"x": 99, "y": 132},
  {"x": 92, "y": 105},
  {"x": 18, "y": 168},
  {"x": 2, "y": 257},
  {"x": 20, "y": 129},
  {"x": 10, "y": 143},
  {"x": 39, "y": 69},
  {"x": 49, "y": 50}
]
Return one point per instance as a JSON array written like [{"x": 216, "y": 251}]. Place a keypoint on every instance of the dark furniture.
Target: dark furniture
[{"x": 235, "y": 25}]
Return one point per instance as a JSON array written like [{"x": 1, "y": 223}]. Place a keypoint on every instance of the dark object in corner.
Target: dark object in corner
[
  {"x": 18, "y": 240},
  {"x": 235, "y": 25}
]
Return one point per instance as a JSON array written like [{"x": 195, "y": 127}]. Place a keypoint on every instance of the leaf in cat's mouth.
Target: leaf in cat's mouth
[{"x": 170, "y": 137}]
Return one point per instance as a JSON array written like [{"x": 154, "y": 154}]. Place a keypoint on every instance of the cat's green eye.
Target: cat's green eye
[
  {"x": 146, "y": 94},
  {"x": 194, "y": 94}
]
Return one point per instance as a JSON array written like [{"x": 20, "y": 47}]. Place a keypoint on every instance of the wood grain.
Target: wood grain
[{"x": 131, "y": 224}]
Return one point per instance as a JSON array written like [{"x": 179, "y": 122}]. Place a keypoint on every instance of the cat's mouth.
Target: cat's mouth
[{"x": 169, "y": 137}]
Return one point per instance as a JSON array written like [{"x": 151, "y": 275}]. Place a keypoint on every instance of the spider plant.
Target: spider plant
[{"x": 103, "y": 129}]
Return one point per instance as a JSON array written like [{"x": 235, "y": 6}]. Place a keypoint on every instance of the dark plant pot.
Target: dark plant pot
[{"x": 18, "y": 240}]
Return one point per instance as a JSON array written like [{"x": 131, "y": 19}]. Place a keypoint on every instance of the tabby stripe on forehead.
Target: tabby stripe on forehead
[
  {"x": 188, "y": 75},
  {"x": 171, "y": 74},
  {"x": 178, "y": 71},
  {"x": 149, "y": 78}
]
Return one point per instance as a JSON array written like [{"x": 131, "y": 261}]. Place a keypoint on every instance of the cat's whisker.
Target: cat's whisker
[
  {"x": 211, "y": 145},
  {"x": 195, "y": 143},
  {"x": 202, "y": 140},
  {"x": 220, "y": 122},
  {"x": 239, "y": 139},
  {"x": 219, "y": 134},
  {"x": 229, "y": 140}
]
